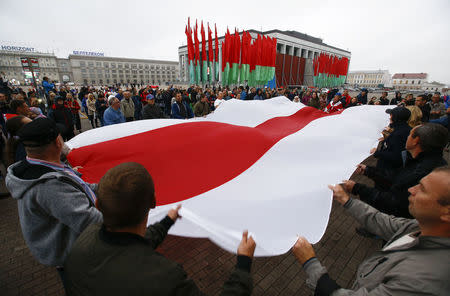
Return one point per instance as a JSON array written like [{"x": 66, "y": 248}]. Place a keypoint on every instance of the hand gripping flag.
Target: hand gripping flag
[{"x": 257, "y": 165}]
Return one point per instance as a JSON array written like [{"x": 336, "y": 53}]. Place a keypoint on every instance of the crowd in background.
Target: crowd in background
[{"x": 103, "y": 229}]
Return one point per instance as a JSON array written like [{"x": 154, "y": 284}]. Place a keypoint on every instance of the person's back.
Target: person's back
[
  {"x": 54, "y": 204},
  {"x": 119, "y": 256}
]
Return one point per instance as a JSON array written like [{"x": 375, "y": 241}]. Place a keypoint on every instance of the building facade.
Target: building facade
[
  {"x": 109, "y": 70},
  {"x": 15, "y": 71},
  {"x": 379, "y": 78},
  {"x": 434, "y": 86},
  {"x": 411, "y": 81},
  {"x": 83, "y": 69},
  {"x": 295, "y": 53}
]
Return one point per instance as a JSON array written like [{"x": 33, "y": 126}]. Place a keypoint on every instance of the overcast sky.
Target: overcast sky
[{"x": 401, "y": 36}]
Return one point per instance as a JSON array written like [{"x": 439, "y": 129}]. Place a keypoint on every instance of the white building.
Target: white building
[
  {"x": 84, "y": 68},
  {"x": 369, "y": 78},
  {"x": 109, "y": 70},
  {"x": 412, "y": 81},
  {"x": 291, "y": 46},
  {"x": 11, "y": 65},
  {"x": 433, "y": 86}
]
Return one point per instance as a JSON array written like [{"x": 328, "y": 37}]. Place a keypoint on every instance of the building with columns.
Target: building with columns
[
  {"x": 369, "y": 78},
  {"x": 295, "y": 53}
]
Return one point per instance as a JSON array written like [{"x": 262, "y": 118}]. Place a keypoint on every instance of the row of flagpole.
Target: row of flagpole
[{"x": 243, "y": 59}]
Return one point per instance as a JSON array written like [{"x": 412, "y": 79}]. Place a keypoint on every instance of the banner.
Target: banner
[{"x": 257, "y": 165}]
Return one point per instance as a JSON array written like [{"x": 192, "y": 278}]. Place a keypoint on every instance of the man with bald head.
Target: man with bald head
[{"x": 127, "y": 106}]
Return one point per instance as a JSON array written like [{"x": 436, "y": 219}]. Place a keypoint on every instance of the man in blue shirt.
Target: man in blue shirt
[{"x": 113, "y": 115}]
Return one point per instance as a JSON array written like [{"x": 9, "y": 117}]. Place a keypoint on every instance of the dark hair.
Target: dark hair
[
  {"x": 13, "y": 125},
  {"x": 424, "y": 97},
  {"x": 432, "y": 137},
  {"x": 125, "y": 195},
  {"x": 444, "y": 200},
  {"x": 16, "y": 104},
  {"x": 202, "y": 95}
]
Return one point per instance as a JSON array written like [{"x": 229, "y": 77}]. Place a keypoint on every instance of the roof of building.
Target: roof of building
[
  {"x": 369, "y": 72},
  {"x": 291, "y": 33},
  {"x": 118, "y": 59},
  {"x": 410, "y": 76}
]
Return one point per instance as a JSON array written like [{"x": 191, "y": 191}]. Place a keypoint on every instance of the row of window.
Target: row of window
[
  {"x": 406, "y": 82},
  {"x": 125, "y": 65},
  {"x": 93, "y": 75},
  {"x": 108, "y": 81}
]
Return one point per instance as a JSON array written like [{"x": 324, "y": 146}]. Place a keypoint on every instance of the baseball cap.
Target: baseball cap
[{"x": 39, "y": 132}]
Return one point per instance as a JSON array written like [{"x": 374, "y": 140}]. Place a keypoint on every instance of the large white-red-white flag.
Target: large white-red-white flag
[{"x": 257, "y": 165}]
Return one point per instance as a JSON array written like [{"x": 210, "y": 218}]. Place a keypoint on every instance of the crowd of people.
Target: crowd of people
[{"x": 96, "y": 235}]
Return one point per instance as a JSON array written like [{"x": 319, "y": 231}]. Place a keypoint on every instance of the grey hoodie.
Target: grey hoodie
[
  {"x": 420, "y": 267},
  {"x": 53, "y": 209}
]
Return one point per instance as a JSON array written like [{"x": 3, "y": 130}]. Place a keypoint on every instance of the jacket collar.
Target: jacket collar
[{"x": 121, "y": 238}]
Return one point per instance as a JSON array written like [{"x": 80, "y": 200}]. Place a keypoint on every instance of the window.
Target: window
[
  {"x": 127, "y": 66},
  {"x": 82, "y": 64},
  {"x": 114, "y": 71},
  {"x": 83, "y": 70},
  {"x": 113, "y": 65},
  {"x": 133, "y": 66},
  {"x": 412, "y": 82},
  {"x": 106, "y": 64},
  {"x": 418, "y": 82},
  {"x": 406, "y": 82},
  {"x": 120, "y": 71},
  {"x": 146, "y": 67},
  {"x": 98, "y": 64},
  {"x": 91, "y": 64},
  {"x": 120, "y": 66},
  {"x": 141, "y": 66}
]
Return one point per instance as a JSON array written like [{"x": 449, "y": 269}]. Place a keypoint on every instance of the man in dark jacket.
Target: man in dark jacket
[
  {"x": 383, "y": 99},
  {"x": 424, "y": 147},
  {"x": 62, "y": 115},
  {"x": 362, "y": 97},
  {"x": 180, "y": 109},
  {"x": 100, "y": 107},
  {"x": 389, "y": 154},
  {"x": 151, "y": 110},
  {"x": 118, "y": 257},
  {"x": 396, "y": 99},
  {"x": 201, "y": 108},
  {"x": 421, "y": 102}
]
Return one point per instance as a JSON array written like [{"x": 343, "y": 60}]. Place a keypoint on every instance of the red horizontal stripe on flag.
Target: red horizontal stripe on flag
[{"x": 188, "y": 159}]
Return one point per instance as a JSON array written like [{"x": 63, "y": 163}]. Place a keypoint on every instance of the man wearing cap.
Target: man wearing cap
[
  {"x": 425, "y": 145},
  {"x": 55, "y": 205},
  {"x": 151, "y": 110},
  {"x": 112, "y": 114},
  {"x": 362, "y": 97}
]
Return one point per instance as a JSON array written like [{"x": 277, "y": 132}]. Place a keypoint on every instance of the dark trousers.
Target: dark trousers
[
  {"x": 76, "y": 120},
  {"x": 62, "y": 275},
  {"x": 129, "y": 119}
]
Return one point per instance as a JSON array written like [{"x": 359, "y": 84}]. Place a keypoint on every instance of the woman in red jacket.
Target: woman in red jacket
[{"x": 75, "y": 108}]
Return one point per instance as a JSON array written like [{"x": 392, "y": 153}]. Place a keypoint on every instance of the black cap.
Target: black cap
[
  {"x": 399, "y": 114},
  {"x": 39, "y": 132}
]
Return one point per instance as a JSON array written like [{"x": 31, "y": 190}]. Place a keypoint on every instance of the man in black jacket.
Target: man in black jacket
[
  {"x": 151, "y": 110},
  {"x": 119, "y": 256},
  {"x": 421, "y": 102},
  {"x": 424, "y": 147},
  {"x": 62, "y": 115}
]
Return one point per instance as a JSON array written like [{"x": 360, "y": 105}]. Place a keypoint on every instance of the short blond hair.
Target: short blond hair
[{"x": 416, "y": 116}]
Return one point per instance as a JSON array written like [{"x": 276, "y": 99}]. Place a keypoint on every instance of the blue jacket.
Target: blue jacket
[
  {"x": 243, "y": 95},
  {"x": 137, "y": 107},
  {"x": 47, "y": 86},
  {"x": 112, "y": 116},
  {"x": 176, "y": 111}
]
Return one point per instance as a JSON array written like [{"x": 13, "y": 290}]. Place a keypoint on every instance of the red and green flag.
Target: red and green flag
[
  {"x": 210, "y": 55},
  {"x": 204, "y": 57},
  {"x": 191, "y": 52},
  {"x": 216, "y": 66},
  {"x": 197, "y": 55}
]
